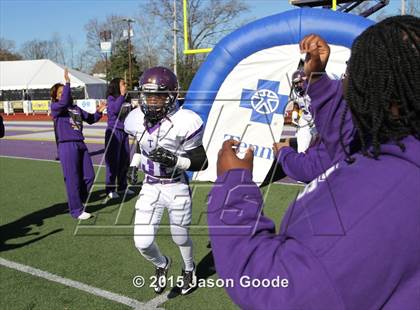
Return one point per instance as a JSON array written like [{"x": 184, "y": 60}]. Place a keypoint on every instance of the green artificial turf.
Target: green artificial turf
[{"x": 36, "y": 230}]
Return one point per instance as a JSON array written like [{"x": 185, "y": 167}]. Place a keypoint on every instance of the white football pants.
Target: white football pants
[{"x": 153, "y": 200}]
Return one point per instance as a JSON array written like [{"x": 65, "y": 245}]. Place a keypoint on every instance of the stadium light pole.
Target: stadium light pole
[
  {"x": 105, "y": 40},
  {"x": 129, "y": 21},
  {"x": 175, "y": 41},
  {"x": 402, "y": 7}
]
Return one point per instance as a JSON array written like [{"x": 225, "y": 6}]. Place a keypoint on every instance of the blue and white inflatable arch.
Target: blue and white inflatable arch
[{"x": 256, "y": 60}]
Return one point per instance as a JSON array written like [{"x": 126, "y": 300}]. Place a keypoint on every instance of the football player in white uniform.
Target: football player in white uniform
[
  {"x": 170, "y": 142},
  {"x": 306, "y": 131}
]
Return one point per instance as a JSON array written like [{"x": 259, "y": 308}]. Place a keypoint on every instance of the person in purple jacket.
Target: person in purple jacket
[
  {"x": 117, "y": 151},
  {"x": 74, "y": 156},
  {"x": 1, "y": 127},
  {"x": 351, "y": 238}
]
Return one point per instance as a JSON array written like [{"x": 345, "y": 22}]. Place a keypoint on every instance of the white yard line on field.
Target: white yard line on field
[
  {"x": 158, "y": 300},
  {"x": 95, "y": 165},
  {"x": 135, "y": 304},
  {"x": 39, "y": 159}
]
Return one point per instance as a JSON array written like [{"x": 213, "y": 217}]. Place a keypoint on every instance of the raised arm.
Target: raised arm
[
  {"x": 334, "y": 125},
  {"x": 332, "y": 118},
  {"x": 65, "y": 100}
]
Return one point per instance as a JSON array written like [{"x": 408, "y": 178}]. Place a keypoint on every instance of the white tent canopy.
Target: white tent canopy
[{"x": 44, "y": 73}]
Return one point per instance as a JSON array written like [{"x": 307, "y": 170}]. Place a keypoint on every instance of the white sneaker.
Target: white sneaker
[
  {"x": 113, "y": 195},
  {"x": 84, "y": 216}
]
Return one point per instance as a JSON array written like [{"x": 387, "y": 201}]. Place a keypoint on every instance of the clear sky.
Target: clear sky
[{"x": 23, "y": 20}]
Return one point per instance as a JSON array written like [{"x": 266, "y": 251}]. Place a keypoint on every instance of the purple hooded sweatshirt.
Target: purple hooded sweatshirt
[
  {"x": 69, "y": 119},
  {"x": 327, "y": 108},
  {"x": 1, "y": 127},
  {"x": 113, "y": 111},
  {"x": 350, "y": 240}
]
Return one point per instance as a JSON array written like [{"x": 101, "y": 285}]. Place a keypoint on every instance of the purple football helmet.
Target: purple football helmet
[{"x": 159, "y": 90}]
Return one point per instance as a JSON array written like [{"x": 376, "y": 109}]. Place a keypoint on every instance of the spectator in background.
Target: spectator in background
[
  {"x": 26, "y": 95},
  {"x": 74, "y": 156},
  {"x": 117, "y": 150},
  {"x": 57, "y": 157},
  {"x": 1, "y": 127}
]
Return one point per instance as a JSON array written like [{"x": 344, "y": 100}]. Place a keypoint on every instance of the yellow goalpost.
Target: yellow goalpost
[{"x": 187, "y": 50}]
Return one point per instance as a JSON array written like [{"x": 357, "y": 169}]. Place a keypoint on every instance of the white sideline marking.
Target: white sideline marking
[
  {"x": 75, "y": 284},
  {"x": 291, "y": 184},
  {"x": 95, "y": 165},
  {"x": 39, "y": 159},
  {"x": 158, "y": 300}
]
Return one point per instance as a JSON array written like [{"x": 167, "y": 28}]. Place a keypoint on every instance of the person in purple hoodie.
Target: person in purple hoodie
[
  {"x": 74, "y": 156},
  {"x": 117, "y": 151},
  {"x": 300, "y": 166},
  {"x": 1, "y": 127},
  {"x": 350, "y": 240}
]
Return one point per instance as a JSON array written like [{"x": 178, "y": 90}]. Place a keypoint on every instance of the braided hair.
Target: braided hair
[{"x": 383, "y": 75}]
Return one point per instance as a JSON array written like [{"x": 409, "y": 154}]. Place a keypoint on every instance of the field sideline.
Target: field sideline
[{"x": 37, "y": 231}]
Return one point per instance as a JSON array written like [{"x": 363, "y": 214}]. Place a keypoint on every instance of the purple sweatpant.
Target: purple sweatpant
[
  {"x": 78, "y": 174},
  {"x": 117, "y": 159}
]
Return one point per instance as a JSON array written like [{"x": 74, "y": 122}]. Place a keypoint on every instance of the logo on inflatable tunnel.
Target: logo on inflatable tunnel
[
  {"x": 261, "y": 151},
  {"x": 264, "y": 102}
]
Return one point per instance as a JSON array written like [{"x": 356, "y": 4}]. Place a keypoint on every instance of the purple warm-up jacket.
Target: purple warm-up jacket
[
  {"x": 113, "y": 111},
  {"x": 70, "y": 128},
  {"x": 1, "y": 127},
  {"x": 350, "y": 240}
]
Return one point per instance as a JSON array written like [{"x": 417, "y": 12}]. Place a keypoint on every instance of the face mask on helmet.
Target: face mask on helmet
[
  {"x": 156, "y": 104},
  {"x": 159, "y": 89}
]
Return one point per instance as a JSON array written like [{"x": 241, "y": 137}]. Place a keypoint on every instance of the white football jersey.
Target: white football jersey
[
  {"x": 180, "y": 131},
  {"x": 304, "y": 103}
]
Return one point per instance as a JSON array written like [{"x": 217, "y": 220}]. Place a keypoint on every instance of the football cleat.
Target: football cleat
[
  {"x": 189, "y": 281},
  {"x": 161, "y": 273}
]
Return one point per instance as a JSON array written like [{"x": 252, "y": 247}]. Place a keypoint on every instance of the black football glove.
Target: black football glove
[
  {"x": 164, "y": 157},
  {"x": 132, "y": 175}
]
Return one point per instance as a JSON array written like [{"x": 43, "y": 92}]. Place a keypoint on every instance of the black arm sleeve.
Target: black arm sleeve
[{"x": 198, "y": 159}]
